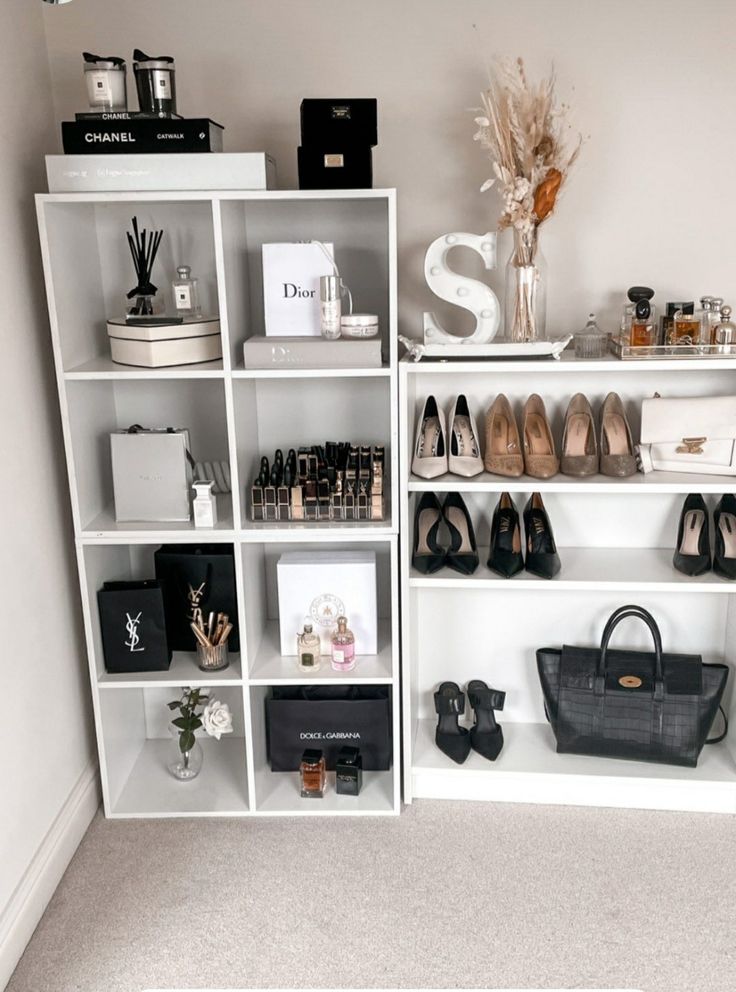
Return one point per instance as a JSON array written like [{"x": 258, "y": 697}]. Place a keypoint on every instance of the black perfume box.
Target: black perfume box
[
  {"x": 347, "y": 122},
  {"x": 141, "y": 135},
  {"x": 133, "y": 627},
  {"x": 332, "y": 167}
]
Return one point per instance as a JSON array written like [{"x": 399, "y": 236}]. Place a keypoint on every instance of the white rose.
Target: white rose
[{"x": 217, "y": 719}]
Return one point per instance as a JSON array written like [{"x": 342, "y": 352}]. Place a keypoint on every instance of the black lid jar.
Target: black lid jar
[{"x": 155, "y": 80}]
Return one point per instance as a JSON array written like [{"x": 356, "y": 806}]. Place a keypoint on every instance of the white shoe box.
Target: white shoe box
[{"x": 319, "y": 586}]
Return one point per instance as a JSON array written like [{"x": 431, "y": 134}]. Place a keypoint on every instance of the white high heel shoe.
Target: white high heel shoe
[
  {"x": 464, "y": 458},
  {"x": 430, "y": 447}
]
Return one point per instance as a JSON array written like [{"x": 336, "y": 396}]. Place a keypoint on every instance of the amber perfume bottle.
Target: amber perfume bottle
[
  {"x": 685, "y": 326},
  {"x": 343, "y": 647},
  {"x": 640, "y": 321},
  {"x": 308, "y": 650},
  {"x": 312, "y": 774}
]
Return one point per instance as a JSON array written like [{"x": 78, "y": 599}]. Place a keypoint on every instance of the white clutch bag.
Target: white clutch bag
[{"x": 691, "y": 434}]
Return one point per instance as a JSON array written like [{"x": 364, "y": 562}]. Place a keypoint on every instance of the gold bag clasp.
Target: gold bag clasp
[{"x": 691, "y": 446}]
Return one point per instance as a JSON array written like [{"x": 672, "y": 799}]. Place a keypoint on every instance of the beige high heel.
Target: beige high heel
[
  {"x": 616, "y": 446},
  {"x": 579, "y": 445},
  {"x": 540, "y": 456},
  {"x": 503, "y": 446}
]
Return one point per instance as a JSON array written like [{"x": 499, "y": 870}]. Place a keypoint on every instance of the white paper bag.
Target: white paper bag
[{"x": 291, "y": 274}]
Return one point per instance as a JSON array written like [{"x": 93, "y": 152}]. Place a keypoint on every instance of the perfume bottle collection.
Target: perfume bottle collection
[
  {"x": 313, "y": 773},
  {"x": 681, "y": 324},
  {"x": 334, "y": 481},
  {"x": 342, "y": 648},
  {"x": 589, "y": 445}
]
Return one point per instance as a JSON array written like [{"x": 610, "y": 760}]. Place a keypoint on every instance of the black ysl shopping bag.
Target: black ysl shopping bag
[
  {"x": 133, "y": 627},
  {"x": 328, "y": 717},
  {"x": 196, "y": 577}
]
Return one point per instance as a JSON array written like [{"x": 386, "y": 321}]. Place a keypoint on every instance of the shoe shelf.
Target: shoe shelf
[
  {"x": 615, "y": 539},
  {"x": 233, "y": 414}
]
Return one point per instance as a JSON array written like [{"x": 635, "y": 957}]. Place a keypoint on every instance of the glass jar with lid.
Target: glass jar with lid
[{"x": 591, "y": 341}]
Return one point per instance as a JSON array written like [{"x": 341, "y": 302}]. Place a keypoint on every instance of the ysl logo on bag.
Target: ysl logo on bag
[
  {"x": 195, "y": 599},
  {"x": 132, "y": 629}
]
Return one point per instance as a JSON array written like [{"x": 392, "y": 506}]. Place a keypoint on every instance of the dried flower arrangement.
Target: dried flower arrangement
[
  {"x": 528, "y": 139},
  {"x": 526, "y": 135}
]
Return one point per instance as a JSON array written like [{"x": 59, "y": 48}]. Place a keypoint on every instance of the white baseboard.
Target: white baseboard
[{"x": 31, "y": 897}]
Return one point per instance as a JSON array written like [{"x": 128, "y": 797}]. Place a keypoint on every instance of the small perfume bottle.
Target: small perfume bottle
[
  {"x": 685, "y": 326},
  {"x": 205, "y": 506},
  {"x": 349, "y": 771},
  {"x": 308, "y": 649},
  {"x": 716, "y": 313},
  {"x": 343, "y": 647},
  {"x": 703, "y": 314},
  {"x": 724, "y": 333},
  {"x": 638, "y": 322},
  {"x": 330, "y": 307},
  {"x": 186, "y": 294},
  {"x": 312, "y": 774}
]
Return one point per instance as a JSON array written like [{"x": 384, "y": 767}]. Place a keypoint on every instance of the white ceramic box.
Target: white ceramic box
[
  {"x": 291, "y": 273},
  {"x": 318, "y": 586}
]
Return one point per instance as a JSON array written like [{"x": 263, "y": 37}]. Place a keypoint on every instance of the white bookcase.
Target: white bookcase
[
  {"x": 236, "y": 414},
  {"x": 615, "y": 539}
]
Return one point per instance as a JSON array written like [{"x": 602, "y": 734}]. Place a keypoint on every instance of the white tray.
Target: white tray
[{"x": 486, "y": 352}]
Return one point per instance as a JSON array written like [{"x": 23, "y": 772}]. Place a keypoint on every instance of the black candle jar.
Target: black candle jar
[{"x": 155, "y": 80}]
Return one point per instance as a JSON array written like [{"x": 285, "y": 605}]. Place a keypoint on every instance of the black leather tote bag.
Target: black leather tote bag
[{"x": 631, "y": 704}]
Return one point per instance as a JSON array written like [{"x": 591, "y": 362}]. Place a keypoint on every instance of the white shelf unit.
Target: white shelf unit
[
  {"x": 615, "y": 540},
  {"x": 234, "y": 414}
]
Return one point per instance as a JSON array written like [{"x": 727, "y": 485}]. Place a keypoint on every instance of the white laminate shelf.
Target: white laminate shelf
[
  {"x": 105, "y": 368},
  {"x": 278, "y": 795},
  {"x": 183, "y": 670},
  {"x": 270, "y": 667},
  {"x": 567, "y": 363},
  {"x": 529, "y": 770},
  {"x": 644, "y": 570},
  {"x": 104, "y": 528},
  {"x": 652, "y": 482}
]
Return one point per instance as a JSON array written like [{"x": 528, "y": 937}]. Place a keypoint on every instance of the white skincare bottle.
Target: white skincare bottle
[
  {"x": 330, "y": 306},
  {"x": 205, "y": 507}
]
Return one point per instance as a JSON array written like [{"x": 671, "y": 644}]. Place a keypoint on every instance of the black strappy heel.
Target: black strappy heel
[
  {"x": 452, "y": 739},
  {"x": 486, "y": 736}
]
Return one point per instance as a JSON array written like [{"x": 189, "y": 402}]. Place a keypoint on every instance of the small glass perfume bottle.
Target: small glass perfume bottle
[
  {"x": 703, "y": 314},
  {"x": 204, "y": 504},
  {"x": 638, "y": 323},
  {"x": 186, "y": 293},
  {"x": 343, "y": 647},
  {"x": 716, "y": 313},
  {"x": 330, "y": 307},
  {"x": 724, "y": 333},
  {"x": 685, "y": 326},
  {"x": 312, "y": 774},
  {"x": 308, "y": 649}
]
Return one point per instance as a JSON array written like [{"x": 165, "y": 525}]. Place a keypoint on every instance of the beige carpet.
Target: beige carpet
[{"x": 449, "y": 895}]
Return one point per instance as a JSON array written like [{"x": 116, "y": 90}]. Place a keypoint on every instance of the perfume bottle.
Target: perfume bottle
[
  {"x": 349, "y": 771},
  {"x": 703, "y": 314},
  {"x": 186, "y": 294},
  {"x": 312, "y": 774},
  {"x": 685, "y": 326},
  {"x": 715, "y": 316},
  {"x": 205, "y": 507},
  {"x": 330, "y": 307},
  {"x": 640, "y": 321},
  {"x": 343, "y": 647},
  {"x": 308, "y": 649},
  {"x": 668, "y": 322},
  {"x": 724, "y": 333}
]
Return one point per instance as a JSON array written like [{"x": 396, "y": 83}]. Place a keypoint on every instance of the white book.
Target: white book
[{"x": 173, "y": 171}]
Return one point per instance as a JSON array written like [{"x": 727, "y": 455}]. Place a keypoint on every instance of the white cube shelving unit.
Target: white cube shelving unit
[
  {"x": 232, "y": 413},
  {"x": 615, "y": 539}
]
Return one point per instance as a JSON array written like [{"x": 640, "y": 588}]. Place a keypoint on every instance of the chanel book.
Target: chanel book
[{"x": 142, "y": 135}]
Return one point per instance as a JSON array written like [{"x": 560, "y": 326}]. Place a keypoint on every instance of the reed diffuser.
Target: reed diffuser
[{"x": 143, "y": 248}]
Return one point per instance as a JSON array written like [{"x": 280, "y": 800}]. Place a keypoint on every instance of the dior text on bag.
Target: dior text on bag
[
  {"x": 637, "y": 705},
  {"x": 690, "y": 434}
]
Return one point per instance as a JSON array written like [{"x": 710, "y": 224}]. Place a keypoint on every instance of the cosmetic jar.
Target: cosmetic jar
[
  {"x": 359, "y": 325},
  {"x": 106, "y": 83},
  {"x": 156, "y": 83}
]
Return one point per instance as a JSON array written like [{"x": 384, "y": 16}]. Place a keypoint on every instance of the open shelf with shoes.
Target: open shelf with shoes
[
  {"x": 615, "y": 538},
  {"x": 233, "y": 415}
]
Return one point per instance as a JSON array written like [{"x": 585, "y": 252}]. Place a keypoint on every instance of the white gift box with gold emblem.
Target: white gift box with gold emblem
[{"x": 319, "y": 586}]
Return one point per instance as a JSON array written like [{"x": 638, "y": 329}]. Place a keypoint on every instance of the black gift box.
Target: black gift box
[
  {"x": 340, "y": 122},
  {"x": 133, "y": 627},
  {"x": 196, "y": 577},
  {"x": 328, "y": 717},
  {"x": 330, "y": 166}
]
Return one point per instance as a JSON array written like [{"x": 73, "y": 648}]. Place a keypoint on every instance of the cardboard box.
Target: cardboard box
[{"x": 319, "y": 586}]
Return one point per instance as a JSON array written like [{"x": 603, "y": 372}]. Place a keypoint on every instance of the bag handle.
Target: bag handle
[{"x": 613, "y": 621}]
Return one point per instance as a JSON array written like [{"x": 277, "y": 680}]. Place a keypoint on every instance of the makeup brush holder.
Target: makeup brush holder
[{"x": 212, "y": 658}]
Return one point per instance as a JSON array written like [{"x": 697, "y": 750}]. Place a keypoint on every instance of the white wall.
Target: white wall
[
  {"x": 649, "y": 81},
  {"x": 45, "y": 739}
]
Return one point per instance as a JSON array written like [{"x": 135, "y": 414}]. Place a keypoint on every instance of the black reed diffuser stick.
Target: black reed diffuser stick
[{"x": 143, "y": 248}]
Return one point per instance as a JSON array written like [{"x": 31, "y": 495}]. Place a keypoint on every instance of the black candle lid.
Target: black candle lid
[{"x": 312, "y": 756}]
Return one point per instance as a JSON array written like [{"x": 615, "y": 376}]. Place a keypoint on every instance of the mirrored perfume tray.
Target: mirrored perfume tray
[{"x": 627, "y": 353}]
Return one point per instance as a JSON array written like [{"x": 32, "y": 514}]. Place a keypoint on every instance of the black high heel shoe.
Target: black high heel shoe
[
  {"x": 541, "y": 551},
  {"x": 428, "y": 556},
  {"x": 505, "y": 557},
  {"x": 692, "y": 554},
  {"x": 463, "y": 552},
  {"x": 724, "y": 522},
  {"x": 452, "y": 739},
  {"x": 486, "y": 736}
]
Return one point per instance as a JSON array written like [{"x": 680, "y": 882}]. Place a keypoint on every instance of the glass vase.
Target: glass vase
[
  {"x": 184, "y": 765},
  {"x": 526, "y": 290}
]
